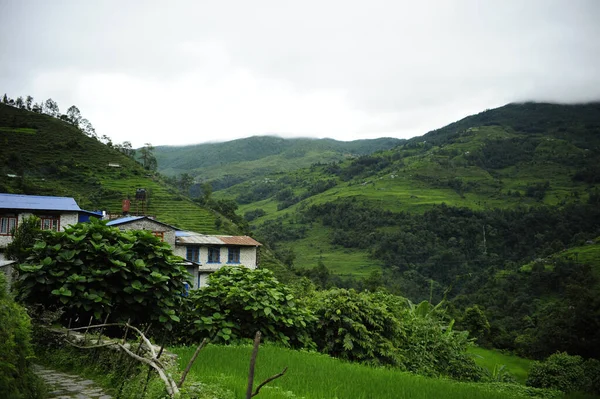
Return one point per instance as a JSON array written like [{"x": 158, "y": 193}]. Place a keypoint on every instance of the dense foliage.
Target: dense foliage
[
  {"x": 92, "y": 269},
  {"x": 238, "y": 302},
  {"x": 566, "y": 373},
  {"x": 17, "y": 380},
  {"x": 357, "y": 326}
]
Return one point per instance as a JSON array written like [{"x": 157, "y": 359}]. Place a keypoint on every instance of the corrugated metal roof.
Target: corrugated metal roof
[
  {"x": 199, "y": 239},
  {"x": 38, "y": 202},
  {"x": 239, "y": 240}
]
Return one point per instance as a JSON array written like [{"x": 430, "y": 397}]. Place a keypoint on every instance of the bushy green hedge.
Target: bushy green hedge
[
  {"x": 17, "y": 381},
  {"x": 566, "y": 373}
]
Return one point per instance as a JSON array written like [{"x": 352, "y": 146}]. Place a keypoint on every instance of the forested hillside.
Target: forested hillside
[
  {"x": 232, "y": 162},
  {"x": 457, "y": 213}
]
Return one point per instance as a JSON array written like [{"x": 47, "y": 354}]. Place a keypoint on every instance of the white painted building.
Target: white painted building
[
  {"x": 55, "y": 213},
  {"x": 203, "y": 254}
]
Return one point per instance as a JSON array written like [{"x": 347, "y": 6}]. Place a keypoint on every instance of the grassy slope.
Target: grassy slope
[
  {"x": 317, "y": 376},
  {"x": 57, "y": 159},
  {"x": 518, "y": 367}
]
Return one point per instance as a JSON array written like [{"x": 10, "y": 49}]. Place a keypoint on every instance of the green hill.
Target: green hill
[
  {"x": 46, "y": 156},
  {"x": 234, "y": 161}
]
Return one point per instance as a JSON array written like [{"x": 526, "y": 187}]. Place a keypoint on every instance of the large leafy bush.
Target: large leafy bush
[
  {"x": 432, "y": 347},
  {"x": 357, "y": 326},
  {"x": 93, "y": 269},
  {"x": 16, "y": 378},
  {"x": 566, "y": 373},
  {"x": 239, "y": 301}
]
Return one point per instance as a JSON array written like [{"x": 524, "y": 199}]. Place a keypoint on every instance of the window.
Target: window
[
  {"x": 233, "y": 255},
  {"x": 159, "y": 234},
  {"x": 7, "y": 224},
  {"x": 193, "y": 254},
  {"x": 214, "y": 255},
  {"x": 50, "y": 223}
]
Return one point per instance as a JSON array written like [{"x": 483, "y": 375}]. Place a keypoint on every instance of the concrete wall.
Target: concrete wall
[{"x": 151, "y": 225}]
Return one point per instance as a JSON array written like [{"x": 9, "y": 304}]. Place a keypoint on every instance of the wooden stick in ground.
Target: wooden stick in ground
[
  {"x": 191, "y": 362},
  {"x": 70, "y": 319},
  {"x": 265, "y": 382},
  {"x": 252, "y": 365},
  {"x": 102, "y": 330},
  {"x": 126, "y": 331},
  {"x": 86, "y": 330}
]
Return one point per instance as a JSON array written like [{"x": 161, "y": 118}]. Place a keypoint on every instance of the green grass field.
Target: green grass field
[
  {"x": 489, "y": 358},
  {"x": 317, "y": 376}
]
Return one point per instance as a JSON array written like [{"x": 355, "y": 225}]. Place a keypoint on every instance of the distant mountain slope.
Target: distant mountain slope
[
  {"x": 260, "y": 155},
  {"x": 43, "y": 155},
  {"x": 496, "y": 159}
]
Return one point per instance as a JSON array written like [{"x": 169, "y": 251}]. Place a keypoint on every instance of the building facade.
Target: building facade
[{"x": 203, "y": 254}]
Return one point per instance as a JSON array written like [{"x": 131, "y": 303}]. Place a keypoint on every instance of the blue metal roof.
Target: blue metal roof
[
  {"x": 126, "y": 219},
  {"x": 38, "y": 202}
]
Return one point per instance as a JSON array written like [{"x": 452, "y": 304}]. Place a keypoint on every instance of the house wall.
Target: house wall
[
  {"x": 247, "y": 257},
  {"x": 150, "y": 225},
  {"x": 200, "y": 273},
  {"x": 66, "y": 219}
]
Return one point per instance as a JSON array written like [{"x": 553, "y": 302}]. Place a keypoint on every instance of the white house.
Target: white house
[
  {"x": 203, "y": 254},
  {"x": 55, "y": 213}
]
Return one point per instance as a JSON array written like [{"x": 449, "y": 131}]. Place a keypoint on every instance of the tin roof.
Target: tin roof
[
  {"x": 38, "y": 202},
  {"x": 240, "y": 240},
  {"x": 198, "y": 239},
  {"x": 191, "y": 238},
  {"x": 129, "y": 219}
]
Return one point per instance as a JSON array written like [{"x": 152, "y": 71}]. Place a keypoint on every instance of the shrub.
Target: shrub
[
  {"x": 93, "y": 269},
  {"x": 239, "y": 301},
  {"x": 559, "y": 371},
  {"x": 433, "y": 348},
  {"x": 357, "y": 326},
  {"x": 16, "y": 378}
]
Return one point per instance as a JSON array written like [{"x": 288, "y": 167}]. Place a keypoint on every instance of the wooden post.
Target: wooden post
[
  {"x": 252, "y": 365},
  {"x": 86, "y": 330},
  {"x": 191, "y": 362}
]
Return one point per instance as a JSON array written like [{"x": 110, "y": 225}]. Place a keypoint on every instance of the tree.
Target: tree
[
  {"x": 5, "y": 99},
  {"x": 206, "y": 192},
  {"x": 74, "y": 115},
  {"x": 92, "y": 269},
  {"x": 185, "y": 182},
  {"x": 126, "y": 148},
  {"x": 147, "y": 157},
  {"x": 28, "y": 102},
  {"x": 86, "y": 127},
  {"x": 20, "y": 103},
  {"x": 24, "y": 236},
  {"x": 51, "y": 108}
]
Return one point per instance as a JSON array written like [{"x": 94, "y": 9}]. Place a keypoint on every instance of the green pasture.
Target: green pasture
[{"x": 491, "y": 358}]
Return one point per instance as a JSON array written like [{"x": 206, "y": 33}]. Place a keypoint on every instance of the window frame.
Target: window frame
[
  {"x": 10, "y": 228},
  {"x": 53, "y": 220},
  {"x": 194, "y": 250},
  {"x": 211, "y": 255},
  {"x": 234, "y": 255}
]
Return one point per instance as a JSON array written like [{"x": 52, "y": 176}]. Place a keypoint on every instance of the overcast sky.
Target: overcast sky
[{"x": 184, "y": 72}]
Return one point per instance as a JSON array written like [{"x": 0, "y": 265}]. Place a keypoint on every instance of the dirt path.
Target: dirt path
[{"x": 69, "y": 386}]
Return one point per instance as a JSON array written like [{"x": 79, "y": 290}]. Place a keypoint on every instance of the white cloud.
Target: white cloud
[{"x": 192, "y": 71}]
